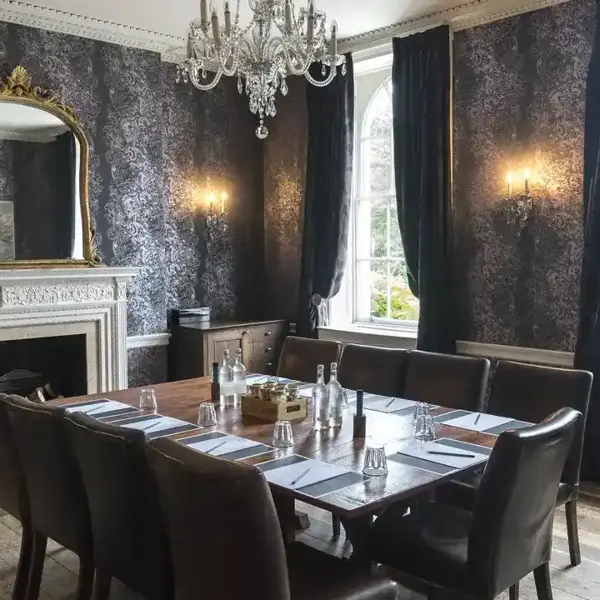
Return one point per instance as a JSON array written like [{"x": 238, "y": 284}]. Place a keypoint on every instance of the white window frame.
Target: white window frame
[{"x": 345, "y": 307}]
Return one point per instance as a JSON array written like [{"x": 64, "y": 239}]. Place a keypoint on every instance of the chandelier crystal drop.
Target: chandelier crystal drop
[{"x": 279, "y": 41}]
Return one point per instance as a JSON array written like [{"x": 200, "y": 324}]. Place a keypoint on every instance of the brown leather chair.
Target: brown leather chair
[
  {"x": 129, "y": 537},
  {"x": 446, "y": 380},
  {"x": 375, "y": 370},
  {"x": 58, "y": 504},
  {"x": 14, "y": 500},
  {"x": 509, "y": 534},
  {"x": 300, "y": 356},
  {"x": 530, "y": 393},
  {"x": 226, "y": 540}
]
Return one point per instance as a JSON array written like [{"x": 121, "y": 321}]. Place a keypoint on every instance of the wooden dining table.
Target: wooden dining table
[{"x": 355, "y": 504}]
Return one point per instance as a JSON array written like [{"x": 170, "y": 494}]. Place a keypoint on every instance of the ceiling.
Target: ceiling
[{"x": 173, "y": 17}]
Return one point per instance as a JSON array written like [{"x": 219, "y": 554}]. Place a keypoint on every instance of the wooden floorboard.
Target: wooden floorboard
[{"x": 579, "y": 583}]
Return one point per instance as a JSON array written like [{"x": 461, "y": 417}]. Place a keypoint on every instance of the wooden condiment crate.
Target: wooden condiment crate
[{"x": 271, "y": 411}]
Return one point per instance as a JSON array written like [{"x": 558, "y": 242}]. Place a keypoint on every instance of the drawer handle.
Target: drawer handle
[
  {"x": 245, "y": 332},
  {"x": 269, "y": 364},
  {"x": 268, "y": 333},
  {"x": 267, "y": 350}
]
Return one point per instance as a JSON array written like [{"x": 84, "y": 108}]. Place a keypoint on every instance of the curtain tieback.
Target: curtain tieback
[{"x": 319, "y": 308}]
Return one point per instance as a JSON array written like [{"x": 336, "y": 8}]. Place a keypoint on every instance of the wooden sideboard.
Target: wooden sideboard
[{"x": 195, "y": 346}]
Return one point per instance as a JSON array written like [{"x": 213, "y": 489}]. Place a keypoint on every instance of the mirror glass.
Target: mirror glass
[{"x": 40, "y": 204}]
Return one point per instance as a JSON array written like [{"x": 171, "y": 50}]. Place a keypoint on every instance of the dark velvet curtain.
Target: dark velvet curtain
[
  {"x": 587, "y": 351},
  {"x": 66, "y": 202},
  {"x": 328, "y": 195},
  {"x": 421, "y": 96}
]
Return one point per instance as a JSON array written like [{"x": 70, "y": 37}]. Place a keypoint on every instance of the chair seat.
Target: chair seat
[
  {"x": 462, "y": 491},
  {"x": 430, "y": 543},
  {"x": 315, "y": 575}
]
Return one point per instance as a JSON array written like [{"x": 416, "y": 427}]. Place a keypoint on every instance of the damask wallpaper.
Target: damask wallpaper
[
  {"x": 153, "y": 144},
  {"x": 519, "y": 102}
]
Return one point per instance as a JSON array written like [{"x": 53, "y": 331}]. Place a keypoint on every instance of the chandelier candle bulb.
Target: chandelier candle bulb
[
  {"x": 288, "y": 17},
  {"x": 509, "y": 180},
  {"x": 227, "y": 19},
  {"x": 334, "y": 46},
  {"x": 310, "y": 28},
  {"x": 527, "y": 176},
  {"x": 215, "y": 28},
  {"x": 204, "y": 13}
]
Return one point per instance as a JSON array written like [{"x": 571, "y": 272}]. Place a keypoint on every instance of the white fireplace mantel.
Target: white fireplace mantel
[{"x": 53, "y": 302}]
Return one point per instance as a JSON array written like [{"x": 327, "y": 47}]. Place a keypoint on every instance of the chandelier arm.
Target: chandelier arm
[
  {"x": 205, "y": 86},
  {"x": 324, "y": 82},
  {"x": 279, "y": 43}
]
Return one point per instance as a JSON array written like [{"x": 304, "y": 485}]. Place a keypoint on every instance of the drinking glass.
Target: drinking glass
[
  {"x": 207, "y": 415},
  {"x": 425, "y": 428},
  {"x": 283, "y": 436},
  {"x": 420, "y": 409},
  {"x": 375, "y": 461},
  {"x": 148, "y": 400}
]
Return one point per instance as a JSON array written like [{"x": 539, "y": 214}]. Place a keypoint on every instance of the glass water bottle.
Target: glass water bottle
[
  {"x": 226, "y": 380},
  {"x": 320, "y": 399},
  {"x": 335, "y": 394},
  {"x": 239, "y": 375}
]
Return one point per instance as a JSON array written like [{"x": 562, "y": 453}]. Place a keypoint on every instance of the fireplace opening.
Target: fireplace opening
[{"x": 53, "y": 366}]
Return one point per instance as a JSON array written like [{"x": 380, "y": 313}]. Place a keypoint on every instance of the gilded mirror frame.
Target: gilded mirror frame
[{"x": 17, "y": 87}]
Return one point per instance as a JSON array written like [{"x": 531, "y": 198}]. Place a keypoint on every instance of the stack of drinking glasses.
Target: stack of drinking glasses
[{"x": 424, "y": 423}]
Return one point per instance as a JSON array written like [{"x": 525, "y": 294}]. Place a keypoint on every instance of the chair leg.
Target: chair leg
[
  {"x": 102, "y": 586},
  {"x": 25, "y": 556},
  {"x": 513, "y": 592},
  {"x": 542, "y": 582},
  {"x": 36, "y": 568},
  {"x": 336, "y": 525},
  {"x": 573, "y": 532},
  {"x": 85, "y": 582}
]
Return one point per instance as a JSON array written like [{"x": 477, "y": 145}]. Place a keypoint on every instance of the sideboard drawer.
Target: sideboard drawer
[{"x": 270, "y": 333}]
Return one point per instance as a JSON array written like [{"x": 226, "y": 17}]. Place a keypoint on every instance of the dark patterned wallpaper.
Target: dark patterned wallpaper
[
  {"x": 519, "y": 102},
  {"x": 153, "y": 144},
  {"x": 285, "y": 171}
]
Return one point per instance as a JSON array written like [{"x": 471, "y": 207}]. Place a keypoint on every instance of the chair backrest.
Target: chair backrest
[
  {"x": 532, "y": 392},
  {"x": 57, "y": 500},
  {"x": 375, "y": 370},
  {"x": 300, "y": 356},
  {"x": 226, "y": 540},
  {"x": 13, "y": 495},
  {"x": 511, "y": 533},
  {"x": 446, "y": 380},
  {"x": 129, "y": 536}
]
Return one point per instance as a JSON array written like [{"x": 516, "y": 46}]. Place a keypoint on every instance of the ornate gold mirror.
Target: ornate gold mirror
[{"x": 44, "y": 208}]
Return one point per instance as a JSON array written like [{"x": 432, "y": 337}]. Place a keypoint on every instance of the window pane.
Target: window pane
[
  {"x": 378, "y": 289},
  {"x": 403, "y": 304},
  {"x": 395, "y": 238},
  {"x": 380, "y": 114},
  {"x": 379, "y": 228},
  {"x": 377, "y": 167}
]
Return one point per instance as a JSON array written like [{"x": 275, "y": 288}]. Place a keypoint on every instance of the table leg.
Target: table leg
[
  {"x": 286, "y": 512},
  {"x": 357, "y": 531}
]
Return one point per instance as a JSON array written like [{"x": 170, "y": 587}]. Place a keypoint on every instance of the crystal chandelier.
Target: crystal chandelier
[{"x": 276, "y": 43}]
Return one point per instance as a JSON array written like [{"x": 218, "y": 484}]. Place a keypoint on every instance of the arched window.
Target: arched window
[{"x": 381, "y": 291}]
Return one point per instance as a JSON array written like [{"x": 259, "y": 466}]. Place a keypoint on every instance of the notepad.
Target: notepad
[
  {"x": 100, "y": 407},
  {"x": 422, "y": 451},
  {"x": 472, "y": 423}
]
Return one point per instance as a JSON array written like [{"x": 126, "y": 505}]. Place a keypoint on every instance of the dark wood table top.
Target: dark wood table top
[{"x": 181, "y": 400}]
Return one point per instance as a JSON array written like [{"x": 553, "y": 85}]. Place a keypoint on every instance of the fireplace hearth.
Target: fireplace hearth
[{"x": 57, "y": 365}]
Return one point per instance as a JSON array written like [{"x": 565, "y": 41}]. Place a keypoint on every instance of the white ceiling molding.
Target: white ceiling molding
[
  {"x": 172, "y": 48},
  {"x": 464, "y": 16},
  {"x": 33, "y": 15}
]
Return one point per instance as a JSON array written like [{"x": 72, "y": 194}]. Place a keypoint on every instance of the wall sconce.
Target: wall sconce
[
  {"x": 214, "y": 203},
  {"x": 519, "y": 205}
]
